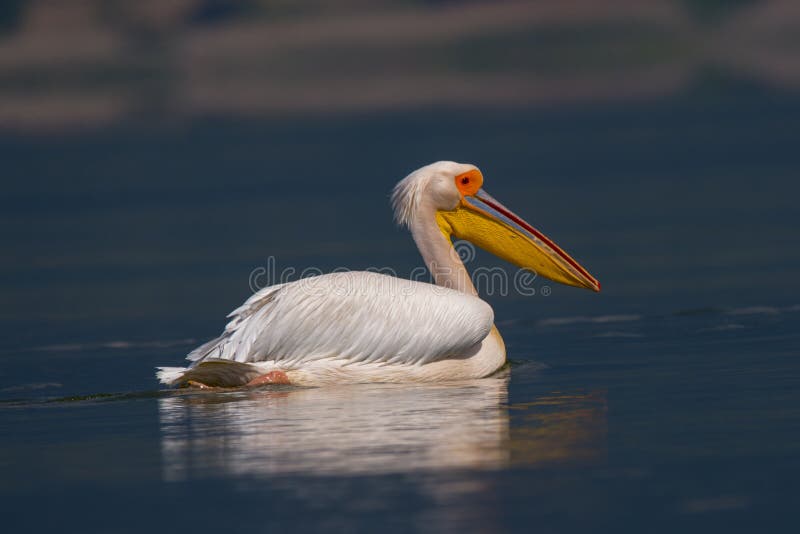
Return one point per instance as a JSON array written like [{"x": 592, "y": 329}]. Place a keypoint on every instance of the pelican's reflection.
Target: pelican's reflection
[
  {"x": 347, "y": 430},
  {"x": 368, "y": 428}
]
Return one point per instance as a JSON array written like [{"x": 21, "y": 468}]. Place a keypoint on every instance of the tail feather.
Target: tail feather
[
  {"x": 170, "y": 375},
  {"x": 211, "y": 372}
]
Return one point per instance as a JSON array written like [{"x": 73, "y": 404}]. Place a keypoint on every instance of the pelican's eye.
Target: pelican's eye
[{"x": 470, "y": 182}]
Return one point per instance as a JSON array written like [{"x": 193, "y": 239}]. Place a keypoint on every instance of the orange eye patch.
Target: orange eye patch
[{"x": 470, "y": 182}]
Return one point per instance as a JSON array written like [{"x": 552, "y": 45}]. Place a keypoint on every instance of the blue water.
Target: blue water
[{"x": 669, "y": 402}]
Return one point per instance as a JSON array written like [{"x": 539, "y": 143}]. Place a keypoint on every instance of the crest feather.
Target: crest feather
[{"x": 408, "y": 193}]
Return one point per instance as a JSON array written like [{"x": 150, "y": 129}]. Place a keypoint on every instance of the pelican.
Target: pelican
[{"x": 371, "y": 327}]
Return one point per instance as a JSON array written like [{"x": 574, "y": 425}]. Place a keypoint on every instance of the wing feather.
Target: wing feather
[{"x": 358, "y": 317}]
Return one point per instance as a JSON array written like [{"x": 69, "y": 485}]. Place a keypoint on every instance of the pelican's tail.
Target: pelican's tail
[
  {"x": 170, "y": 375},
  {"x": 212, "y": 372}
]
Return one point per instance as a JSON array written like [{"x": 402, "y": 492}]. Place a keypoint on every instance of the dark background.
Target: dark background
[{"x": 154, "y": 153}]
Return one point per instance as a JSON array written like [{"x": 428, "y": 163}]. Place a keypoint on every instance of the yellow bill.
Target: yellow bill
[{"x": 485, "y": 222}]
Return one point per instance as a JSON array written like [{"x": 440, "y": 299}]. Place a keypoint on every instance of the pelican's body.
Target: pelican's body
[
  {"x": 370, "y": 327},
  {"x": 359, "y": 326}
]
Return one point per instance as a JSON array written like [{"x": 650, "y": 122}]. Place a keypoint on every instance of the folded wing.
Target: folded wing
[{"x": 359, "y": 317}]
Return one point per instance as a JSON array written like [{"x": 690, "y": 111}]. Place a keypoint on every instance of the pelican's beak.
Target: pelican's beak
[{"x": 488, "y": 224}]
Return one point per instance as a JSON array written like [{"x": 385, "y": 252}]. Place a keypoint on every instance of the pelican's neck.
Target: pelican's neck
[{"x": 440, "y": 257}]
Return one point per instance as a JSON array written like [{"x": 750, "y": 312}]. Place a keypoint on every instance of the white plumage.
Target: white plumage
[
  {"x": 362, "y": 320},
  {"x": 361, "y": 317}
]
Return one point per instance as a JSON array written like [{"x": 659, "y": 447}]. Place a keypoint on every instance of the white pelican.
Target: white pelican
[{"x": 369, "y": 327}]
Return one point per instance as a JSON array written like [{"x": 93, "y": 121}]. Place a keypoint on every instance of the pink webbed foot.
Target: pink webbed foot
[{"x": 273, "y": 377}]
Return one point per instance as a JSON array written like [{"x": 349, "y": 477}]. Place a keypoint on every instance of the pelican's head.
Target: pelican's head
[{"x": 453, "y": 194}]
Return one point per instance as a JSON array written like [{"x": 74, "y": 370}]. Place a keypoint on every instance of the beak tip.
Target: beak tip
[{"x": 593, "y": 286}]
